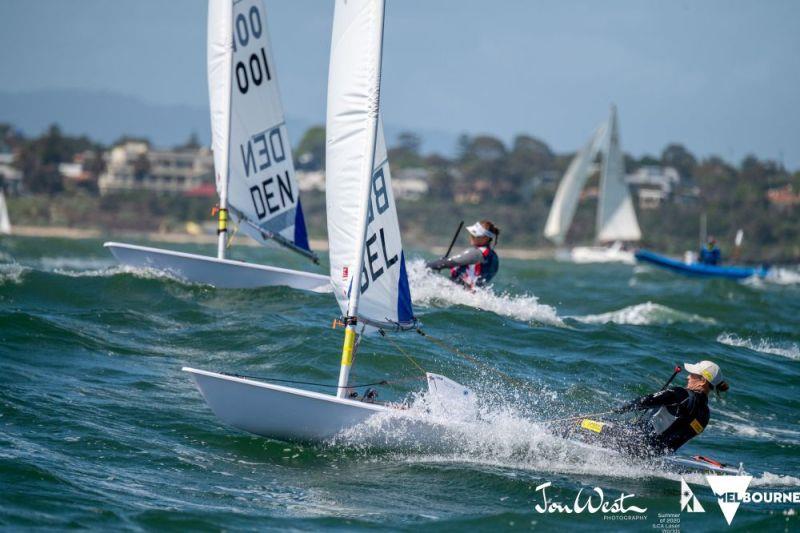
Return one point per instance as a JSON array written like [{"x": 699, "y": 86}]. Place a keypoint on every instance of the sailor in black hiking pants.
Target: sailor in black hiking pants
[{"x": 675, "y": 416}]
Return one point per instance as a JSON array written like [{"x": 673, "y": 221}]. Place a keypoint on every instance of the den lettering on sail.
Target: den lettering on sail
[{"x": 274, "y": 193}]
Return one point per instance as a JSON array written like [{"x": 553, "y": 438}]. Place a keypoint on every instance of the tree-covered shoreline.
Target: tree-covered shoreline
[{"x": 511, "y": 184}]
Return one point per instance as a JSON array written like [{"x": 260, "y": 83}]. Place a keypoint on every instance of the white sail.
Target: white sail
[
  {"x": 251, "y": 146},
  {"x": 354, "y": 197},
  {"x": 616, "y": 218},
  {"x": 5, "y": 222},
  {"x": 569, "y": 189}
]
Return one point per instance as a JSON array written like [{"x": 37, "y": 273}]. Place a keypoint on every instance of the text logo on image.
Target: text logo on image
[
  {"x": 730, "y": 491},
  {"x": 689, "y": 501}
]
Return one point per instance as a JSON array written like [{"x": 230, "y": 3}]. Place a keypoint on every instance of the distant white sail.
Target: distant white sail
[
  {"x": 352, "y": 195},
  {"x": 5, "y": 222},
  {"x": 249, "y": 138},
  {"x": 616, "y": 218},
  {"x": 569, "y": 189}
]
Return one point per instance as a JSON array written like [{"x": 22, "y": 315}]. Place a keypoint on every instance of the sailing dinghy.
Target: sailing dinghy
[
  {"x": 367, "y": 264},
  {"x": 5, "y": 221},
  {"x": 255, "y": 173},
  {"x": 616, "y": 218}
]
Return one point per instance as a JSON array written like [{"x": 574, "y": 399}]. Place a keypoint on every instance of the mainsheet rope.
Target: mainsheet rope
[{"x": 477, "y": 362}]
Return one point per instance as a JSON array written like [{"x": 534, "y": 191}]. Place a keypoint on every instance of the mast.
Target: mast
[
  {"x": 367, "y": 169},
  {"x": 220, "y": 71}
]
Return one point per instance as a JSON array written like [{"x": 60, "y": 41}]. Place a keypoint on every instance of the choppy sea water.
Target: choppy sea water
[{"x": 100, "y": 428}]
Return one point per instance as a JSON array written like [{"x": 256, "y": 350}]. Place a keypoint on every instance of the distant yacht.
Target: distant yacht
[
  {"x": 616, "y": 219},
  {"x": 5, "y": 222}
]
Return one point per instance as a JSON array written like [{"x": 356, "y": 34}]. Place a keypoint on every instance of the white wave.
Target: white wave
[
  {"x": 768, "y": 479},
  {"x": 775, "y": 276},
  {"x": 783, "y": 276},
  {"x": 12, "y": 273},
  {"x": 74, "y": 263},
  {"x": 138, "y": 272},
  {"x": 648, "y": 313},
  {"x": 428, "y": 288},
  {"x": 791, "y": 351},
  {"x": 490, "y": 435}
]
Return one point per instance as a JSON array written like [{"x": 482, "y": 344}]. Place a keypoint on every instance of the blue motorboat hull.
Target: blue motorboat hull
[{"x": 700, "y": 269}]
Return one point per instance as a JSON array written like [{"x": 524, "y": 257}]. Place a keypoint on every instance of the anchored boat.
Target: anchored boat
[
  {"x": 616, "y": 218},
  {"x": 255, "y": 173},
  {"x": 700, "y": 269}
]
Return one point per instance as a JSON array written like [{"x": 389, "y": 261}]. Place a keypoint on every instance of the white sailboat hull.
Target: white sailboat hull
[
  {"x": 221, "y": 273},
  {"x": 290, "y": 414},
  {"x": 597, "y": 254},
  {"x": 279, "y": 412}
]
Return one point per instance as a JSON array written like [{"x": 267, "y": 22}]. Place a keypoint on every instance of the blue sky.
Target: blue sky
[{"x": 719, "y": 76}]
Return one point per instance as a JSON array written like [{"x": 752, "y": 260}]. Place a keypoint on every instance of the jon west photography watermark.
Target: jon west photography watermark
[{"x": 595, "y": 501}]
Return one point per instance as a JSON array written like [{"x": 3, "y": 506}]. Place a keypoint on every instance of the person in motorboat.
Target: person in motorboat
[
  {"x": 477, "y": 265},
  {"x": 710, "y": 253},
  {"x": 675, "y": 415}
]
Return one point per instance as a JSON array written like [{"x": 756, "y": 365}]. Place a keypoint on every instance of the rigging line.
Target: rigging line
[
  {"x": 235, "y": 231},
  {"x": 477, "y": 362},
  {"x": 407, "y": 356}
]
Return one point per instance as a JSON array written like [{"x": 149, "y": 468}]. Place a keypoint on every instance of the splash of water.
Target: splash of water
[
  {"x": 775, "y": 276},
  {"x": 491, "y": 433},
  {"x": 791, "y": 351},
  {"x": 428, "y": 288},
  {"x": 12, "y": 273},
  {"x": 644, "y": 314}
]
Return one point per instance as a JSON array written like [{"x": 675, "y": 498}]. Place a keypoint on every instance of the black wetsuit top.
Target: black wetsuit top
[{"x": 689, "y": 408}]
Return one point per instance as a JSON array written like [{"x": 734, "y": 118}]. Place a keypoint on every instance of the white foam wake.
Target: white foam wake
[
  {"x": 776, "y": 276},
  {"x": 645, "y": 314},
  {"x": 428, "y": 288},
  {"x": 792, "y": 351},
  {"x": 492, "y": 435},
  {"x": 12, "y": 273},
  {"x": 138, "y": 272}
]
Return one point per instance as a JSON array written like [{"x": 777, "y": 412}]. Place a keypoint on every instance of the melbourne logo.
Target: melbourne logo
[
  {"x": 730, "y": 492},
  {"x": 689, "y": 501}
]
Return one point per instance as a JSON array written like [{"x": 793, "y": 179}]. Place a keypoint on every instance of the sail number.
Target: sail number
[
  {"x": 254, "y": 70},
  {"x": 274, "y": 193},
  {"x": 377, "y": 259}
]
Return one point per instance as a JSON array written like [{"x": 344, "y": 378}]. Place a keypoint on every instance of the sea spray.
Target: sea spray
[{"x": 431, "y": 289}]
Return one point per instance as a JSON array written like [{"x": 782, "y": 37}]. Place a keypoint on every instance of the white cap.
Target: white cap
[
  {"x": 710, "y": 371},
  {"x": 477, "y": 230}
]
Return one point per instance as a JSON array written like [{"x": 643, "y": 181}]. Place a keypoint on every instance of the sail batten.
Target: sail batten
[
  {"x": 366, "y": 255},
  {"x": 252, "y": 152}
]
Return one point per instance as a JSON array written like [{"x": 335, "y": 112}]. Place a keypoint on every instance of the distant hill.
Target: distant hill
[{"x": 105, "y": 117}]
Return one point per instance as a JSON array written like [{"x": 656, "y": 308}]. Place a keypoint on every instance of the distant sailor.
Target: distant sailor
[
  {"x": 710, "y": 253},
  {"x": 476, "y": 266},
  {"x": 675, "y": 416}
]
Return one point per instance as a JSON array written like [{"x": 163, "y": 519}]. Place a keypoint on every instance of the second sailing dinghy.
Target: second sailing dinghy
[
  {"x": 616, "y": 218},
  {"x": 252, "y": 157},
  {"x": 5, "y": 221},
  {"x": 367, "y": 262}
]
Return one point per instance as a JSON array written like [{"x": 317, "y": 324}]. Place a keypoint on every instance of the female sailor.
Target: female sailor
[{"x": 477, "y": 265}]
